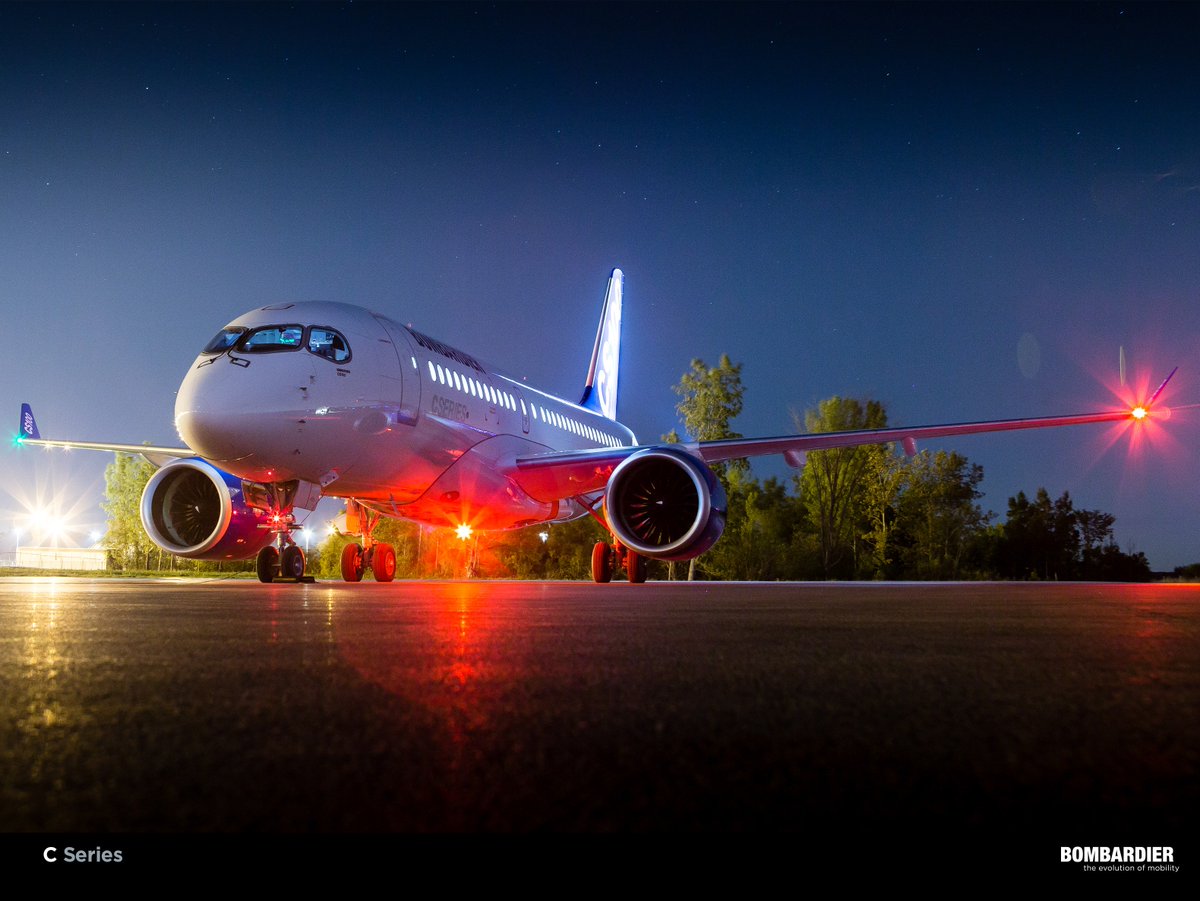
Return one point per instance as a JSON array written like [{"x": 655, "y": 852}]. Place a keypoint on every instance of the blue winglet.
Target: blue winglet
[{"x": 29, "y": 427}]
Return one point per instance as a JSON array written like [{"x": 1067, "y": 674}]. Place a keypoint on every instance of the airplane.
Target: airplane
[{"x": 293, "y": 402}]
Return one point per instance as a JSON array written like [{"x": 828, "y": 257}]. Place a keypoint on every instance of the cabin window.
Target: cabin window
[
  {"x": 272, "y": 339},
  {"x": 325, "y": 342}
]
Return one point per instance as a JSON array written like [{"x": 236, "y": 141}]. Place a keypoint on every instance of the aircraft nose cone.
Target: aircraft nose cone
[
  {"x": 213, "y": 436},
  {"x": 211, "y": 413}
]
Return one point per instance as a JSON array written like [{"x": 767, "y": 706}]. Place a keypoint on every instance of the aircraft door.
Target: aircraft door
[{"x": 406, "y": 392}]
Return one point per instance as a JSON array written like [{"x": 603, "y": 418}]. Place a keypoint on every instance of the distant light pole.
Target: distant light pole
[
  {"x": 17, "y": 545},
  {"x": 307, "y": 538},
  {"x": 545, "y": 536}
]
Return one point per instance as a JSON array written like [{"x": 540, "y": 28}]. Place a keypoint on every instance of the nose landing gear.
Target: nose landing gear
[
  {"x": 282, "y": 560},
  {"x": 286, "y": 565}
]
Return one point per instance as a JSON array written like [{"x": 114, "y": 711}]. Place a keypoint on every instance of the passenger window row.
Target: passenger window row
[{"x": 466, "y": 384}]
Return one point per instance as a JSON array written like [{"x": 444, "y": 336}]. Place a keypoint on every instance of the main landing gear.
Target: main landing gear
[
  {"x": 379, "y": 558},
  {"x": 371, "y": 555},
  {"x": 607, "y": 558}
]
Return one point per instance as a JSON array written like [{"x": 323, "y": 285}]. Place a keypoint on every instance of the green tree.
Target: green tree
[
  {"x": 884, "y": 478},
  {"x": 757, "y": 544},
  {"x": 939, "y": 515},
  {"x": 710, "y": 398},
  {"x": 1044, "y": 539},
  {"x": 124, "y": 479},
  {"x": 832, "y": 482},
  {"x": 1039, "y": 539}
]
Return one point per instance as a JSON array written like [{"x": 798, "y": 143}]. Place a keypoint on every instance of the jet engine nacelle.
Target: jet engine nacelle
[
  {"x": 193, "y": 509},
  {"x": 664, "y": 503}
]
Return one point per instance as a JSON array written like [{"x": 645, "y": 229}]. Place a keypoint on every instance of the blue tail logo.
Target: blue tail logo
[
  {"x": 29, "y": 427},
  {"x": 600, "y": 391}
]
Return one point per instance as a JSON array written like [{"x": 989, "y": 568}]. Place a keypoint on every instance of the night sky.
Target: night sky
[{"x": 965, "y": 211}]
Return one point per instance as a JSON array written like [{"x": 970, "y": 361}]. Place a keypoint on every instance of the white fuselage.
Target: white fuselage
[{"x": 403, "y": 423}]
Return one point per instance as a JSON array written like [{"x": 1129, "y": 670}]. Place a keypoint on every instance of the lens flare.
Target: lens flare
[
  {"x": 1139, "y": 412},
  {"x": 463, "y": 531}
]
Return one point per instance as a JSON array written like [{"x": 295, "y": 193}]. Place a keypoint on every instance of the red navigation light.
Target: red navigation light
[
  {"x": 463, "y": 531},
  {"x": 1139, "y": 412}
]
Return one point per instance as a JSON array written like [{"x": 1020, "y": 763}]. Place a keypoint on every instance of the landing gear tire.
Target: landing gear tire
[
  {"x": 291, "y": 562},
  {"x": 383, "y": 563},
  {"x": 602, "y": 568},
  {"x": 635, "y": 567},
  {"x": 352, "y": 563},
  {"x": 267, "y": 564}
]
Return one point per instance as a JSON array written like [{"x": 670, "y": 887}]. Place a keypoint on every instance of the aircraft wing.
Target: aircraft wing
[
  {"x": 159, "y": 456},
  {"x": 735, "y": 448},
  {"x": 553, "y": 476}
]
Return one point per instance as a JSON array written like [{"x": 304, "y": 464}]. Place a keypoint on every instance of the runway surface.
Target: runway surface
[{"x": 1067, "y": 710}]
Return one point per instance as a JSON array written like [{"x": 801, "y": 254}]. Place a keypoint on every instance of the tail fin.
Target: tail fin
[
  {"x": 600, "y": 391},
  {"x": 29, "y": 427}
]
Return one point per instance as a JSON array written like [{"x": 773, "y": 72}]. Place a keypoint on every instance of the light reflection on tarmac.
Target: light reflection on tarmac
[{"x": 233, "y": 706}]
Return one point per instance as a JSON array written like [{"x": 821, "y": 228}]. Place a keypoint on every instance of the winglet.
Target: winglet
[
  {"x": 1159, "y": 390},
  {"x": 28, "y": 428},
  {"x": 600, "y": 390}
]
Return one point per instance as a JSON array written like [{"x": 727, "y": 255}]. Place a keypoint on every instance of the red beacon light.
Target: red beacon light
[{"x": 1139, "y": 412}]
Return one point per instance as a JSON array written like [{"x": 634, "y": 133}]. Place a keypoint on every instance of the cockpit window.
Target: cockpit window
[
  {"x": 325, "y": 342},
  {"x": 271, "y": 338},
  {"x": 225, "y": 339}
]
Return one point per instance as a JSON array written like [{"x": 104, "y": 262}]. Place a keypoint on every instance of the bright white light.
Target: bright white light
[{"x": 463, "y": 531}]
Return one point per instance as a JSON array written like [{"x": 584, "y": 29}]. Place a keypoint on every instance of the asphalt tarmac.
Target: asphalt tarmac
[{"x": 1069, "y": 711}]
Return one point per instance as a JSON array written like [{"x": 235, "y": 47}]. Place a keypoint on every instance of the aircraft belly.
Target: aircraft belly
[{"x": 478, "y": 491}]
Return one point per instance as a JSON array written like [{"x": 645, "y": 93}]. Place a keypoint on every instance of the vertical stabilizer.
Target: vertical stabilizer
[{"x": 600, "y": 390}]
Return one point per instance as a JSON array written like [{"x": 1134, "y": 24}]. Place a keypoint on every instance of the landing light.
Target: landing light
[{"x": 463, "y": 531}]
